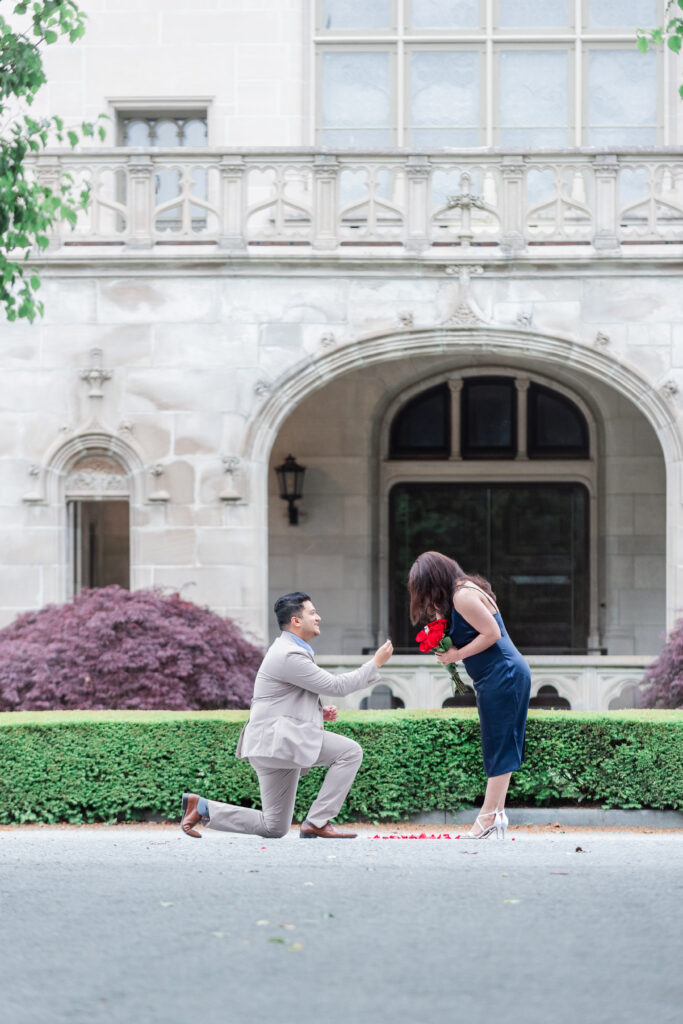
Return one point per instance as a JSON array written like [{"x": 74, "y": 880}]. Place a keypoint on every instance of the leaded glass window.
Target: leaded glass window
[
  {"x": 444, "y": 98},
  {"x": 454, "y": 14},
  {"x": 622, "y": 98},
  {"x": 356, "y": 102},
  {"x": 461, "y": 73},
  {"x": 529, "y": 115},
  {"x": 356, "y": 14},
  {"x": 534, "y": 13}
]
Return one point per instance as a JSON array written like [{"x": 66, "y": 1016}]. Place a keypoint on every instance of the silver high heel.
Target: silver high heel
[
  {"x": 501, "y": 823},
  {"x": 486, "y": 830}
]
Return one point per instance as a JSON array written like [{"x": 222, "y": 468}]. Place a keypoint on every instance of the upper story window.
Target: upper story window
[
  {"x": 495, "y": 418},
  {"x": 511, "y": 73},
  {"x": 164, "y": 129},
  {"x": 169, "y": 127}
]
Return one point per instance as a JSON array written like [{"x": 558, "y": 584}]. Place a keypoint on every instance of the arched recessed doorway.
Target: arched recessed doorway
[
  {"x": 341, "y": 432},
  {"x": 98, "y": 517}
]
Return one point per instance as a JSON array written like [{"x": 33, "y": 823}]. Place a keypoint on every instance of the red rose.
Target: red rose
[{"x": 432, "y": 635}]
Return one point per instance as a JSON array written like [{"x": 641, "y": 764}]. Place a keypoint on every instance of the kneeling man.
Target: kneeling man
[{"x": 285, "y": 736}]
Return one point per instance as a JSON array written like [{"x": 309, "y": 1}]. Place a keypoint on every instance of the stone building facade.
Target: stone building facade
[{"x": 330, "y": 232}]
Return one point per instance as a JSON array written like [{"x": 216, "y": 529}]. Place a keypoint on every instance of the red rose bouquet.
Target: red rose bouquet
[{"x": 434, "y": 638}]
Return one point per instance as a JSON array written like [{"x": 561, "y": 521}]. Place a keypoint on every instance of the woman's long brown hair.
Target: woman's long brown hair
[{"x": 432, "y": 581}]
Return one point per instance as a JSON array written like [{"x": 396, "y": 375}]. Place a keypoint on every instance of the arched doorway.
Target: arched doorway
[
  {"x": 332, "y": 419},
  {"x": 98, "y": 517}
]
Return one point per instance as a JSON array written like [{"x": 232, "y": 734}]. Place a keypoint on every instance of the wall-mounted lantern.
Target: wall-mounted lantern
[{"x": 290, "y": 477}]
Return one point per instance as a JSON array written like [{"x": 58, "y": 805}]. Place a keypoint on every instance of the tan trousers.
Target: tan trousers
[{"x": 278, "y": 793}]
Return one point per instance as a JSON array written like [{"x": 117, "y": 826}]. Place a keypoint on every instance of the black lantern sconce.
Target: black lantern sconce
[{"x": 290, "y": 478}]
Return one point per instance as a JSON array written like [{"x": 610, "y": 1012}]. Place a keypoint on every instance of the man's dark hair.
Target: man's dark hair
[{"x": 288, "y": 606}]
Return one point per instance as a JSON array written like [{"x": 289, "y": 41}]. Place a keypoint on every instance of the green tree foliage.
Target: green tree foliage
[
  {"x": 670, "y": 33},
  {"x": 28, "y": 207}
]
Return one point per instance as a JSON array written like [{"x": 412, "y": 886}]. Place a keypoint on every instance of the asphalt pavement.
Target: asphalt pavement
[{"x": 141, "y": 925}]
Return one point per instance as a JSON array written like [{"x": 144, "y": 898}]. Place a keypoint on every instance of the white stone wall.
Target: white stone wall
[
  {"x": 229, "y": 53},
  {"x": 206, "y": 365}
]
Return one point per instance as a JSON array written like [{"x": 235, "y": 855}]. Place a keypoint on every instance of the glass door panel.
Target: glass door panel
[{"x": 529, "y": 540}]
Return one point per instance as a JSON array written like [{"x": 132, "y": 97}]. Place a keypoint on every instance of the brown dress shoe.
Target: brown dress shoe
[
  {"x": 310, "y": 831},
  {"x": 191, "y": 815}
]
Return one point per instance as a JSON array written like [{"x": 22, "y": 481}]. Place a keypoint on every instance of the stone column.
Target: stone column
[
  {"x": 514, "y": 203},
  {"x": 418, "y": 177},
  {"x": 606, "y": 169},
  {"x": 232, "y": 204},
  {"x": 140, "y": 202},
  {"x": 522, "y": 385},
  {"x": 49, "y": 174},
  {"x": 455, "y": 386},
  {"x": 326, "y": 202}
]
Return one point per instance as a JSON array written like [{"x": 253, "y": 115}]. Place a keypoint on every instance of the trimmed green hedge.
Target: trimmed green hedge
[{"x": 86, "y": 766}]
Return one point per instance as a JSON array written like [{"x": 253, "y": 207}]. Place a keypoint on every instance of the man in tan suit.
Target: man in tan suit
[{"x": 285, "y": 736}]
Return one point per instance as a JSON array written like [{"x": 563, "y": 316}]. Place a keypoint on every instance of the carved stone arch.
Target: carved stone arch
[
  {"x": 98, "y": 453},
  {"x": 504, "y": 345},
  {"x": 567, "y": 684},
  {"x": 617, "y": 685}
]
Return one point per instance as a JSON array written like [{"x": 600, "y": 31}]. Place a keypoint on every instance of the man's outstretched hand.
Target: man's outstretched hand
[
  {"x": 383, "y": 653},
  {"x": 329, "y": 713}
]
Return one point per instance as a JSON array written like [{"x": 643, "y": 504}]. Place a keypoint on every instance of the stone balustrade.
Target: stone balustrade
[
  {"x": 587, "y": 683},
  {"x": 296, "y": 201}
]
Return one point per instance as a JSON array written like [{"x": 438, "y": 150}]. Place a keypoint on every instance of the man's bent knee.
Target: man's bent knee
[
  {"x": 353, "y": 753},
  {"x": 276, "y": 828},
  {"x": 278, "y": 832}
]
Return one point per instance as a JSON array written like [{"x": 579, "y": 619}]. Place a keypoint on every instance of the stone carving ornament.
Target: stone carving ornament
[
  {"x": 97, "y": 475},
  {"x": 95, "y": 375}
]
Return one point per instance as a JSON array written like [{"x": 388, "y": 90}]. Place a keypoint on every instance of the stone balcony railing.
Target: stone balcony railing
[
  {"x": 584, "y": 682},
  {"x": 294, "y": 202}
]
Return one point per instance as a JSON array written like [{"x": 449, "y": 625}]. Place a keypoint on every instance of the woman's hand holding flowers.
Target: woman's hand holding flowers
[
  {"x": 448, "y": 657},
  {"x": 434, "y": 638}
]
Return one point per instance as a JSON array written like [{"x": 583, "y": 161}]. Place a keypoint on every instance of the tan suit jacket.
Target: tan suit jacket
[{"x": 286, "y": 720}]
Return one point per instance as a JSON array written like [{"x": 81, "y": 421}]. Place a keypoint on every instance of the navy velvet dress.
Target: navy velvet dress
[{"x": 502, "y": 683}]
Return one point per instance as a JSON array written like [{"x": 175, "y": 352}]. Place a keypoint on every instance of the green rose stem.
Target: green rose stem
[{"x": 441, "y": 648}]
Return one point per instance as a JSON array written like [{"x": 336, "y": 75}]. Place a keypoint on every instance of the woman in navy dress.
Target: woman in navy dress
[{"x": 440, "y": 589}]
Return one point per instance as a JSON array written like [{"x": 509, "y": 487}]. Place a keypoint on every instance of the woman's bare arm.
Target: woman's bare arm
[{"x": 471, "y": 605}]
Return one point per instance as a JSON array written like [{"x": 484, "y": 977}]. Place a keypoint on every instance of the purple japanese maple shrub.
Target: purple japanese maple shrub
[
  {"x": 664, "y": 678},
  {"x": 115, "y": 648}
]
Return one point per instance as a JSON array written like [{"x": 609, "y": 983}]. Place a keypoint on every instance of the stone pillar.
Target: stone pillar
[
  {"x": 325, "y": 202},
  {"x": 232, "y": 204},
  {"x": 418, "y": 177},
  {"x": 49, "y": 174},
  {"x": 455, "y": 386},
  {"x": 140, "y": 202},
  {"x": 606, "y": 169},
  {"x": 522, "y": 385},
  {"x": 514, "y": 203}
]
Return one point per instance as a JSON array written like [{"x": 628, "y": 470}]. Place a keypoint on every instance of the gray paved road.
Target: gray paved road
[{"x": 144, "y": 926}]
